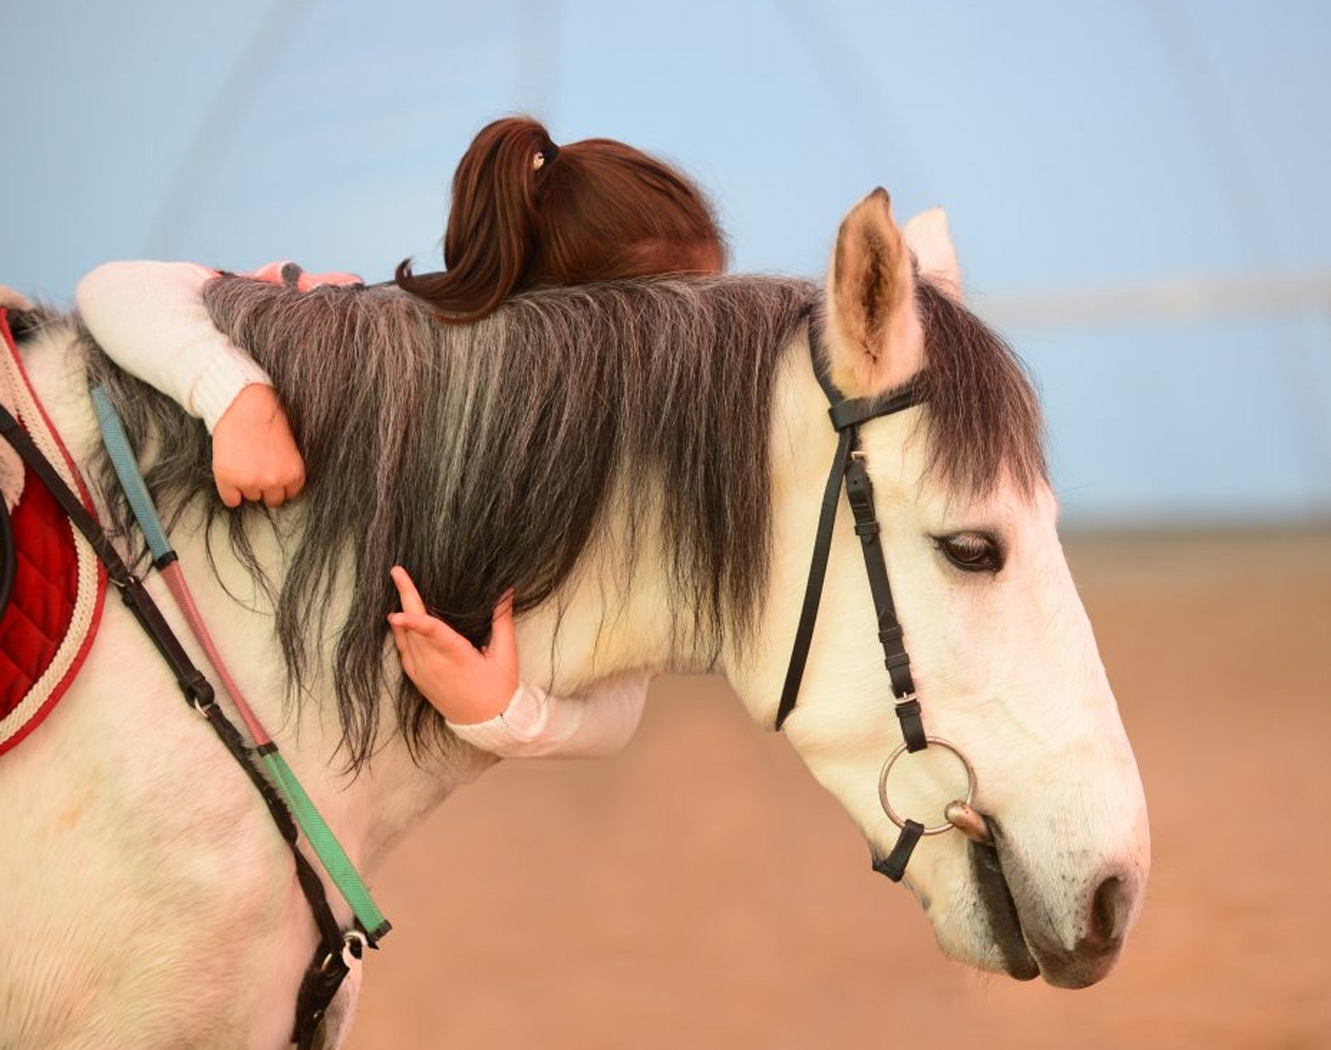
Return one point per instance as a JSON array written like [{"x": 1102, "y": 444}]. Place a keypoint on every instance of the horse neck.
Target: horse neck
[
  {"x": 614, "y": 616},
  {"x": 611, "y": 620},
  {"x": 369, "y": 809}
]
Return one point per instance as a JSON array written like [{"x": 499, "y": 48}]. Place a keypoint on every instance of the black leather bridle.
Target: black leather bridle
[{"x": 847, "y": 414}]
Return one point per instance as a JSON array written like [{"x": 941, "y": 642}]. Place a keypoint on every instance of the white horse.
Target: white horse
[{"x": 148, "y": 900}]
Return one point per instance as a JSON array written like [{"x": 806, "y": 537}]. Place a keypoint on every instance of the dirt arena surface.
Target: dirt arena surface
[{"x": 701, "y": 891}]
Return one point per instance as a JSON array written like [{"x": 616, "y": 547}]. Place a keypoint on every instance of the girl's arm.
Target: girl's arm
[
  {"x": 478, "y": 691},
  {"x": 537, "y": 724},
  {"x": 150, "y": 319}
]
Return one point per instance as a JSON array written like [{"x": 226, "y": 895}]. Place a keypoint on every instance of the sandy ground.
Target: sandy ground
[{"x": 701, "y": 891}]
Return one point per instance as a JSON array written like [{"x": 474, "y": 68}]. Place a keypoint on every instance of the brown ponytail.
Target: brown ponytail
[{"x": 592, "y": 210}]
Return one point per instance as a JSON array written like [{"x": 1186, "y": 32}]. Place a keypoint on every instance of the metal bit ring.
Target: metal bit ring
[{"x": 933, "y": 741}]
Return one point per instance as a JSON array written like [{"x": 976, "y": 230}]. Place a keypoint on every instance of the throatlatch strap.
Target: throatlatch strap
[
  {"x": 813, "y": 589},
  {"x": 859, "y": 492}
]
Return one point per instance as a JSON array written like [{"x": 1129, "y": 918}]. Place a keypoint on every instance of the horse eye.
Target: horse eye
[{"x": 972, "y": 551}]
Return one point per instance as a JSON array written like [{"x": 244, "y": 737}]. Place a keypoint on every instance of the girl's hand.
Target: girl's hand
[
  {"x": 465, "y": 684},
  {"x": 254, "y": 453},
  {"x": 286, "y": 272}
]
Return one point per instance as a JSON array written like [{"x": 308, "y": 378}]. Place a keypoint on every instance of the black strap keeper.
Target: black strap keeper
[
  {"x": 894, "y": 864},
  {"x": 866, "y": 530},
  {"x": 912, "y": 725},
  {"x": 894, "y": 633},
  {"x": 850, "y": 412},
  {"x": 198, "y": 687},
  {"x": 892, "y": 660},
  {"x": 853, "y": 411}
]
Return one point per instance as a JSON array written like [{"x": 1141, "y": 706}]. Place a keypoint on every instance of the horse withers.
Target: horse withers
[{"x": 643, "y": 463}]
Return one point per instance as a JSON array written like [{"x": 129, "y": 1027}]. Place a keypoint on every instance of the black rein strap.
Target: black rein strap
[{"x": 328, "y": 969}]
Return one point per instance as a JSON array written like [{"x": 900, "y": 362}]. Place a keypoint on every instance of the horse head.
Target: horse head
[{"x": 1002, "y": 653}]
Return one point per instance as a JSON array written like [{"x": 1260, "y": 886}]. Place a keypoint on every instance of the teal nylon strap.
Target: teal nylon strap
[
  {"x": 127, "y": 470},
  {"x": 321, "y": 838},
  {"x": 330, "y": 852}
]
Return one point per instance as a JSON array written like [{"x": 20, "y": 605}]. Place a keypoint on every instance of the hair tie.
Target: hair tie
[{"x": 547, "y": 155}]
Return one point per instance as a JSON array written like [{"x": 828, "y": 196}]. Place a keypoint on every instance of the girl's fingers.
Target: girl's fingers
[
  {"x": 406, "y": 591},
  {"x": 231, "y": 496},
  {"x": 432, "y": 630}
]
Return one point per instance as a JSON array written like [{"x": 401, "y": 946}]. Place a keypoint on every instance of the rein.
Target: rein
[
  {"x": 336, "y": 949},
  {"x": 848, "y": 468}
]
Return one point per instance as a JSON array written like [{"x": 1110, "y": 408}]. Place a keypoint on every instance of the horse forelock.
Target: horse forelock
[
  {"x": 985, "y": 426},
  {"x": 497, "y": 455}
]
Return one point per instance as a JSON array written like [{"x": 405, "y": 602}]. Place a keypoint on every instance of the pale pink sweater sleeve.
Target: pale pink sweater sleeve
[
  {"x": 537, "y": 724},
  {"x": 150, "y": 319}
]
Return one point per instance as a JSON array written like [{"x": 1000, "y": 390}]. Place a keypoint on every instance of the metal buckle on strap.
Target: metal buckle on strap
[
  {"x": 124, "y": 583},
  {"x": 354, "y": 944},
  {"x": 199, "y": 692},
  {"x": 353, "y": 947}
]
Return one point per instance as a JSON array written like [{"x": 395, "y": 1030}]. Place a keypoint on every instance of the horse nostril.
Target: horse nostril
[{"x": 1107, "y": 910}]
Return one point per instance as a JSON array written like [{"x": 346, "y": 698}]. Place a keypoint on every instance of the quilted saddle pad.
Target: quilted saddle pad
[{"x": 59, "y": 585}]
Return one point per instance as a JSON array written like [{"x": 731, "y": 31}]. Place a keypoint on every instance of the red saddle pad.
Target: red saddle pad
[{"x": 59, "y": 585}]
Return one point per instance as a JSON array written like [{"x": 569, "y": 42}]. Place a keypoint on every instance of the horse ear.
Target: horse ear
[
  {"x": 927, "y": 236},
  {"x": 874, "y": 333}
]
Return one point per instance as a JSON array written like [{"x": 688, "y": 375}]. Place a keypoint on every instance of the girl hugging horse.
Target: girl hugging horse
[
  {"x": 645, "y": 464},
  {"x": 525, "y": 214}
]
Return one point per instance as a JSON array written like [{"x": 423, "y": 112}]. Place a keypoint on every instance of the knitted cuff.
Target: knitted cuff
[{"x": 218, "y": 383}]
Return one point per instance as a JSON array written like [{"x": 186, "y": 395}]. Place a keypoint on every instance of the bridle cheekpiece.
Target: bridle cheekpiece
[{"x": 848, "y": 468}]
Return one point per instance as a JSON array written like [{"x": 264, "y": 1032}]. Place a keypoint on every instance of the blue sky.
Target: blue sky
[{"x": 1089, "y": 145}]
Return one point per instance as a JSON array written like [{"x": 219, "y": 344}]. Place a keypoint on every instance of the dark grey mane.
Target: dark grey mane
[{"x": 487, "y": 457}]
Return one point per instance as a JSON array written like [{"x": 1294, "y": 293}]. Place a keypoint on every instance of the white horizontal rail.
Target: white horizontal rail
[{"x": 1167, "y": 299}]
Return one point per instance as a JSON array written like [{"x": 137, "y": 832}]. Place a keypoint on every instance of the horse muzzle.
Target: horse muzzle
[{"x": 1075, "y": 952}]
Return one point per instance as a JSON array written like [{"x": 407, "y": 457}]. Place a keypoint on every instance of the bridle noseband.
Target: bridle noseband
[{"x": 848, "y": 467}]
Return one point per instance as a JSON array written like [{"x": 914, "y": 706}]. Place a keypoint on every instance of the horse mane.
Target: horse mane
[{"x": 490, "y": 457}]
